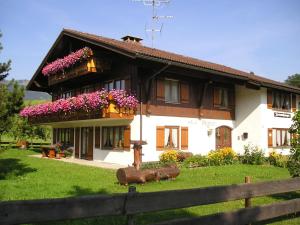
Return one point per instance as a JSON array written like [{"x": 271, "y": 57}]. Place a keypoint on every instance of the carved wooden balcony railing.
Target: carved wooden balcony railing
[
  {"x": 91, "y": 65},
  {"x": 111, "y": 112}
]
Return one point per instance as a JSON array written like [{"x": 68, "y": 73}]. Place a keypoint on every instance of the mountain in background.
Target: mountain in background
[{"x": 32, "y": 95}]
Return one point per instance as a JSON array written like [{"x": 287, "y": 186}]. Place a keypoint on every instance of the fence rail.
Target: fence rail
[{"x": 30, "y": 211}]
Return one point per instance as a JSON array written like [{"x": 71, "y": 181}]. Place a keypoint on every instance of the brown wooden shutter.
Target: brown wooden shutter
[
  {"x": 216, "y": 96},
  {"x": 97, "y": 137},
  {"x": 77, "y": 136},
  {"x": 160, "y": 90},
  {"x": 184, "y": 92},
  {"x": 231, "y": 96},
  {"x": 72, "y": 136},
  {"x": 127, "y": 137},
  {"x": 90, "y": 143},
  {"x": 269, "y": 98},
  {"x": 127, "y": 85},
  {"x": 293, "y": 103},
  {"x": 270, "y": 137},
  {"x": 54, "y": 135},
  {"x": 184, "y": 138},
  {"x": 160, "y": 137}
]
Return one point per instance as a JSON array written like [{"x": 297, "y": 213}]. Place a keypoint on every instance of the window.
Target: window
[
  {"x": 116, "y": 84},
  {"x": 221, "y": 97},
  {"x": 64, "y": 136},
  {"x": 115, "y": 137},
  {"x": 171, "y": 91},
  {"x": 168, "y": 137},
  {"x": 281, "y": 137},
  {"x": 171, "y": 137},
  {"x": 281, "y": 100}
]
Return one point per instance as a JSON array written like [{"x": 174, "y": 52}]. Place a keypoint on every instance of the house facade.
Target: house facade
[{"x": 184, "y": 103}]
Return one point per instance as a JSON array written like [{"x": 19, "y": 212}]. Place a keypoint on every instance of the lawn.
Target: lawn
[{"x": 24, "y": 177}]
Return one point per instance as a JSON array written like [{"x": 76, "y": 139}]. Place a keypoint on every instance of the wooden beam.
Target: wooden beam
[
  {"x": 147, "y": 202},
  {"x": 31, "y": 211},
  {"x": 242, "y": 216}
]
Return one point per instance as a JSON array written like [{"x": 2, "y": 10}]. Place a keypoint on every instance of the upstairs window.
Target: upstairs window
[
  {"x": 221, "y": 97},
  {"x": 171, "y": 91},
  {"x": 115, "y": 84},
  {"x": 281, "y": 100}
]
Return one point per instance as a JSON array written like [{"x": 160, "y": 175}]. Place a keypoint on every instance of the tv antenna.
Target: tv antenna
[{"x": 155, "y": 18}]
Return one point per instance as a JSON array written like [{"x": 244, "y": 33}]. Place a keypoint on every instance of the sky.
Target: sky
[{"x": 262, "y": 36}]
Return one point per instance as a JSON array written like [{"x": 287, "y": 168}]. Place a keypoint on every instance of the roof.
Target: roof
[{"x": 140, "y": 51}]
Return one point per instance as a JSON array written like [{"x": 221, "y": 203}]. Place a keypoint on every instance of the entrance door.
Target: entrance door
[
  {"x": 86, "y": 147},
  {"x": 223, "y": 137}
]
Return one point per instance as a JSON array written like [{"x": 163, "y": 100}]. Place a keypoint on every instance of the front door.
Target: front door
[
  {"x": 86, "y": 147},
  {"x": 223, "y": 137}
]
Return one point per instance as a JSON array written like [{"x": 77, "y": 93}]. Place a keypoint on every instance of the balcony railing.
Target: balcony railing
[
  {"x": 112, "y": 112},
  {"x": 91, "y": 65}
]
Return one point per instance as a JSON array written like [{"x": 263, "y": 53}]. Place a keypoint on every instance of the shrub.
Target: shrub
[
  {"x": 195, "y": 161},
  {"x": 294, "y": 159},
  {"x": 252, "y": 155},
  {"x": 279, "y": 160},
  {"x": 169, "y": 156},
  {"x": 222, "y": 156},
  {"x": 182, "y": 156},
  {"x": 153, "y": 165}
]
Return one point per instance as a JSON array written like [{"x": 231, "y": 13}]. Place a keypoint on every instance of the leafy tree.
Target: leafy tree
[
  {"x": 294, "y": 159},
  {"x": 5, "y": 66},
  {"x": 11, "y": 101},
  {"x": 293, "y": 80}
]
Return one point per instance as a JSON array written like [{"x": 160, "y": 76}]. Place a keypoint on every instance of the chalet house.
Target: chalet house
[{"x": 183, "y": 103}]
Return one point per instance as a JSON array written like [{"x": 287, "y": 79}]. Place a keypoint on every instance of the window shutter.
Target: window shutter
[
  {"x": 184, "y": 138},
  {"x": 77, "y": 130},
  {"x": 269, "y": 98},
  {"x": 54, "y": 136},
  {"x": 293, "y": 103},
  {"x": 127, "y": 137},
  {"x": 90, "y": 149},
  {"x": 184, "y": 92},
  {"x": 160, "y": 90},
  {"x": 97, "y": 137},
  {"x": 127, "y": 85},
  {"x": 216, "y": 96},
  {"x": 160, "y": 137},
  {"x": 270, "y": 137},
  {"x": 72, "y": 136},
  {"x": 231, "y": 98}
]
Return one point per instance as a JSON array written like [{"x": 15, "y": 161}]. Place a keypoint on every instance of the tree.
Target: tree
[
  {"x": 5, "y": 66},
  {"x": 293, "y": 80},
  {"x": 294, "y": 158},
  {"x": 11, "y": 101}
]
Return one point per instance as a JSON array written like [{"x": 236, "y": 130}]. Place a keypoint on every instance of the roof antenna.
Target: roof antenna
[{"x": 155, "y": 18}]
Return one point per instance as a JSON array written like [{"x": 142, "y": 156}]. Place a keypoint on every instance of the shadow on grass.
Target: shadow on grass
[
  {"x": 78, "y": 191},
  {"x": 286, "y": 196},
  {"x": 10, "y": 168}
]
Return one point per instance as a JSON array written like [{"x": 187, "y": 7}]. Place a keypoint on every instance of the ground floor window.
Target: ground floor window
[
  {"x": 171, "y": 137},
  {"x": 64, "y": 136},
  {"x": 115, "y": 137},
  {"x": 281, "y": 137}
]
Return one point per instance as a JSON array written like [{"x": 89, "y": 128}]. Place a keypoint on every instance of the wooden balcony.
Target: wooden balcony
[
  {"x": 92, "y": 65},
  {"x": 111, "y": 112}
]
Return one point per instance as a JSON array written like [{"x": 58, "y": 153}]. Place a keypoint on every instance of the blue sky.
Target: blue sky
[{"x": 262, "y": 36}]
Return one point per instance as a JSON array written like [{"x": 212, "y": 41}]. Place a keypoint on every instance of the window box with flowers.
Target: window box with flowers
[{"x": 99, "y": 104}]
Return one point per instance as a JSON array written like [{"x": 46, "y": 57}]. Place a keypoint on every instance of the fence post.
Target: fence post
[
  {"x": 248, "y": 200},
  {"x": 131, "y": 192}
]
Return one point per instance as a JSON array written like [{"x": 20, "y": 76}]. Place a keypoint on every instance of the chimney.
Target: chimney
[{"x": 131, "y": 39}]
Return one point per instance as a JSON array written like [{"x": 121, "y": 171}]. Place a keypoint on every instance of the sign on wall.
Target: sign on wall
[{"x": 282, "y": 114}]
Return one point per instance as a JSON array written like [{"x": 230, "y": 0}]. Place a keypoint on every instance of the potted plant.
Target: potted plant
[{"x": 59, "y": 150}]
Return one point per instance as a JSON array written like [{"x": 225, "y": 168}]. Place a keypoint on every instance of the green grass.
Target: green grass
[
  {"x": 35, "y": 101},
  {"x": 24, "y": 177}
]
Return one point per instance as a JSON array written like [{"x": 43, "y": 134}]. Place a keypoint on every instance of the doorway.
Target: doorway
[{"x": 223, "y": 137}]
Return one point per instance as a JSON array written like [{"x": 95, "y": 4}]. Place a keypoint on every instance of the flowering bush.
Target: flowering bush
[
  {"x": 252, "y": 155},
  {"x": 86, "y": 102},
  {"x": 66, "y": 62},
  {"x": 278, "y": 159},
  {"x": 222, "y": 156},
  {"x": 168, "y": 156}
]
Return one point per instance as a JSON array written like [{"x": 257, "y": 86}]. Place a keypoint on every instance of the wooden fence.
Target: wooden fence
[{"x": 133, "y": 203}]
